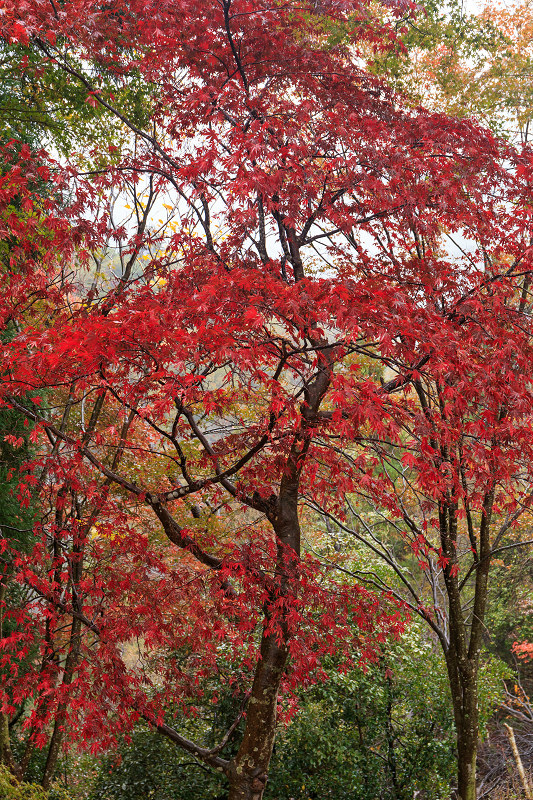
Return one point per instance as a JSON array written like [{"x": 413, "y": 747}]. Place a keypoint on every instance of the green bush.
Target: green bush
[
  {"x": 385, "y": 733},
  {"x": 12, "y": 789}
]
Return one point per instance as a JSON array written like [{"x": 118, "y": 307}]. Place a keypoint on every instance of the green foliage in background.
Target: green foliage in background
[
  {"x": 445, "y": 30},
  {"x": 151, "y": 767},
  {"x": 40, "y": 105},
  {"x": 509, "y": 615},
  {"x": 11, "y": 789},
  {"x": 384, "y": 733}
]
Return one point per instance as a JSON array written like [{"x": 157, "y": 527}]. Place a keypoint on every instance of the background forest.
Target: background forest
[{"x": 266, "y": 405}]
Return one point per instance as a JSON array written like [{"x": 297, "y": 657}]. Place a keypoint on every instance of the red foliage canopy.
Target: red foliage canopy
[{"x": 220, "y": 368}]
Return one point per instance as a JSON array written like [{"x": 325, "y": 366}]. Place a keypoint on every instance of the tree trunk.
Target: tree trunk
[
  {"x": 463, "y": 651},
  {"x": 6, "y": 756},
  {"x": 54, "y": 748},
  {"x": 248, "y": 771},
  {"x": 466, "y": 761},
  {"x": 463, "y": 676}
]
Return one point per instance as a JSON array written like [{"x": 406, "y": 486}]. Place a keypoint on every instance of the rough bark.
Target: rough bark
[
  {"x": 6, "y": 756},
  {"x": 69, "y": 671},
  {"x": 54, "y": 748},
  {"x": 463, "y": 678},
  {"x": 248, "y": 771},
  {"x": 463, "y": 651},
  {"x": 467, "y": 742}
]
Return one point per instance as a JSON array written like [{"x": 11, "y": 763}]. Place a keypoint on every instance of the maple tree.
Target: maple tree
[
  {"x": 442, "y": 500},
  {"x": 188, "y": 397}
]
